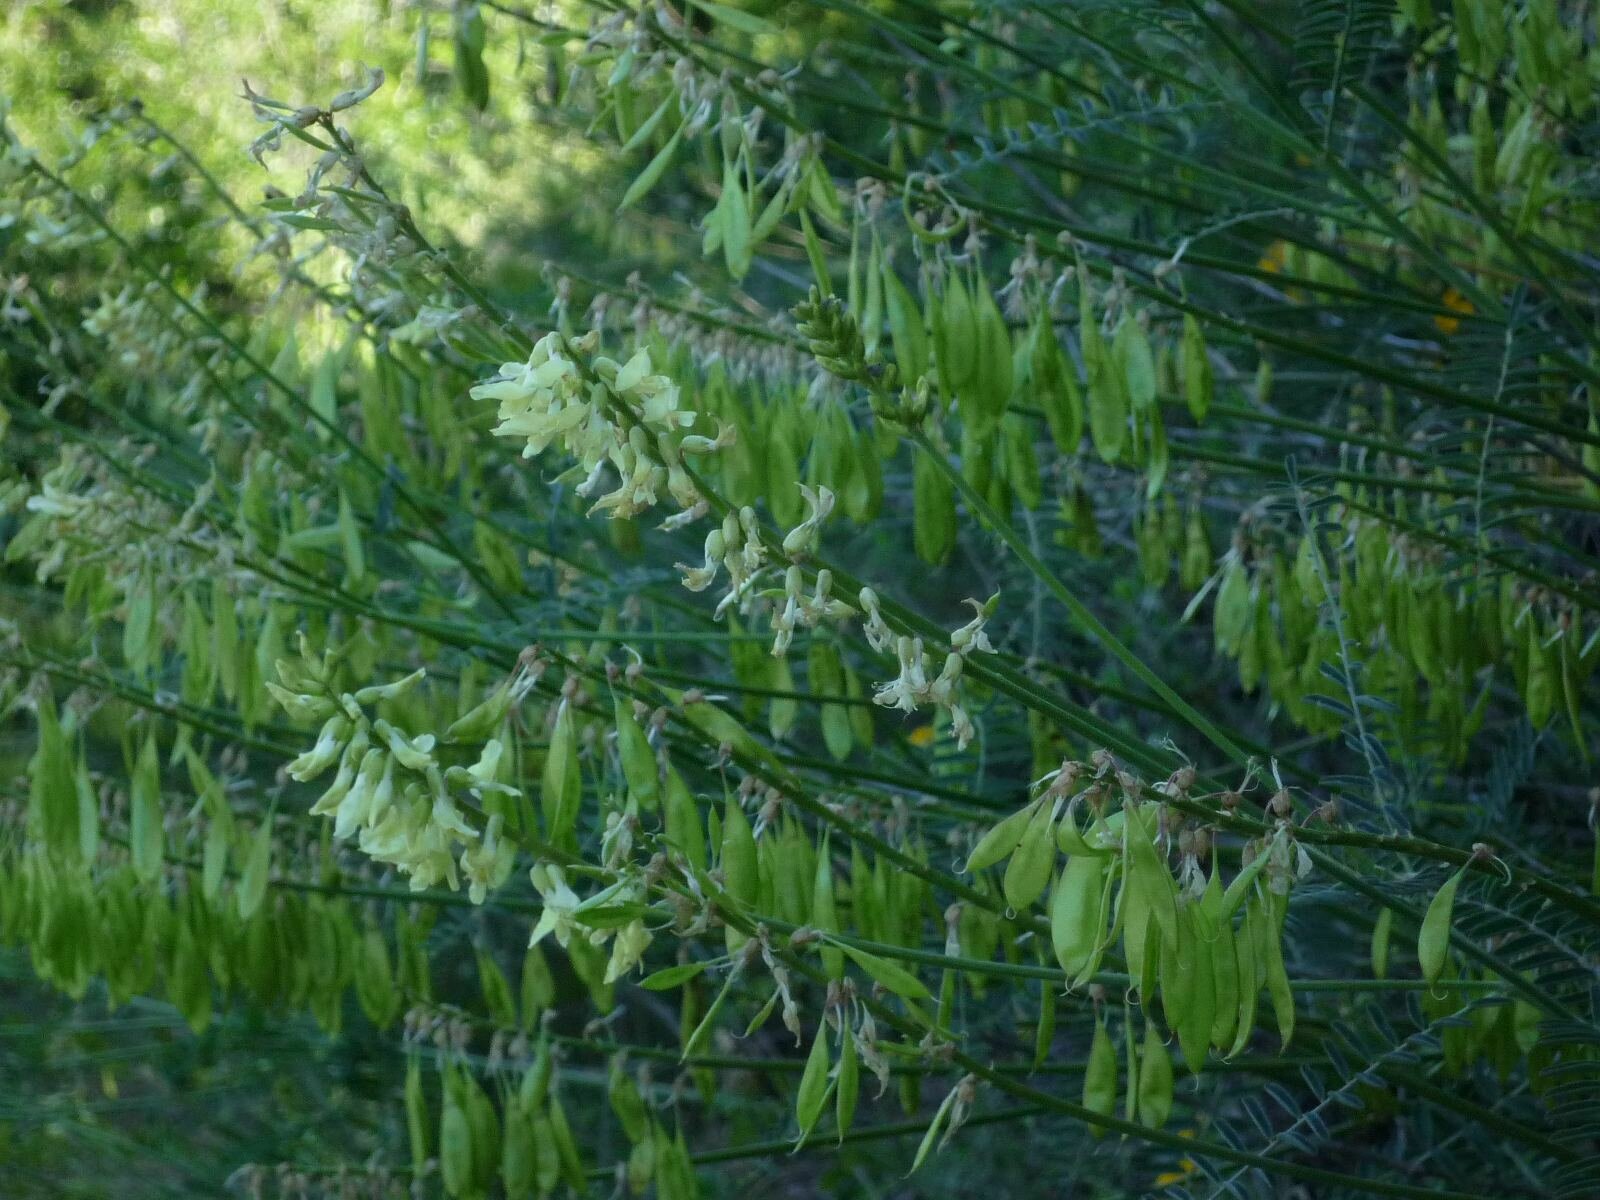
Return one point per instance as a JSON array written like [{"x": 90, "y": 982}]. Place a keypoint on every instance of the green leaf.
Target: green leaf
[
  {"x": 890, "y": 975},
  {"x": 735, "y": 18},
  {"x": 671, "y": 977},
  {"x": 651, "y": 175}
]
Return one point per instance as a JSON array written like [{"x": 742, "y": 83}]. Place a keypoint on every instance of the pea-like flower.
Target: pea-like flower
[{"x": 560, "y": 902}]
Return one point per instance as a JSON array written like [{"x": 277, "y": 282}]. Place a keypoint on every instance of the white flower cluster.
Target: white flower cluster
[
  {"x": 392, "y": 793},
  {"x": 563, "y": 915},
  {"x": 621, "y": 414},
  {"x": 799, "y": 609},
  {"x": 912, "y": 688},
  {"x": 84, "y": 513},
  {"x": 737, "y": 547},
  {"x": 135, "y": 336}
]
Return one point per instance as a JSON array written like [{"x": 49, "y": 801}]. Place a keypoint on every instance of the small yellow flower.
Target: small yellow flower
[
  {"x": 921, "y": 737},
  {"x": 1186, "y": 1167},
  {"x": 1455, "y": 302},
  {"x": 1273, "y": 257}
]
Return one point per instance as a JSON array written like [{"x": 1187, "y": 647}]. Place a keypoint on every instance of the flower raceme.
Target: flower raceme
[
  {"x": 390, "y": 791},
  {"x": 602, "y": 412},
  {"x": 393, "y": 795}
]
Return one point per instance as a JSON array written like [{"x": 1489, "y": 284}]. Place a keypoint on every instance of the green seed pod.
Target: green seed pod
[
  {"x": 225, "y": 638},
  {"x": 1525, "y": 1019},
  {"x": 978, "y": 458},
  {"x": 955, "y": 337},
  {"x": 1130, "y": 1095},
  {"x": 1077, "y": 924},
  {"x": 537, "y": 988},
  {"x": 873, "y": 301},
  {"x": 519, "y": 1153},
  {"x": 1028, "y": 873},
  {"x": 1198, "y": 384},
  {"x": 1155, "y": 1080},
  {"x": 1235, "y": 608},
  {"x": 782, "y": 465},
  {"x": 455, "y": 1146},
  {"x": 1194, "y": 984},
  {"x": 1001, "y": 839},
  {"x": 1195, "y": 568},
  {"x": 848, "y": 1081},
  {"x": 825, "y": 912},
  {"x": 860, "y": 715},
  {"x": 827, "y": 679},
  {"x": 1105, "y": 385},
  {"x": 674, "y": 1170},
  {"x": 1433, "y": 938},
  {"x": 1380, "y": 943},
  {"x": 146, "y": 836},
  {"x": 740, "y": 871},
  {"x": 638, "y": 760},
  {"x": 1070, "y": 840},
  {"x": 194, "y": 639},
  {"x": 1211, "y": 923},
  {"x": 907, "y": 329},
  {"x": 985, "y": 402},
  {"x": 1082, "y": 530},
  {"x": 1542, "y": 682},
  {"x": 1277, "y": 976},
  {"x": 627, "y": 1102},
  {"x": 683, "y": 826},
  {"x": 566, "y": 1147},
  {"x": 734, "y": 205},
  {"x": 562, "y": 786},
  {"x": 481, "y": 721},
  {"x": 253, "y": 879},
  {"x": 534, "y": 1088},
  {"x": 188, "y": 985},
  {"x": 1154, "y": 546},
  {"x": 214, "y": 859},
  {"x": 375, "y": 988},
  {"x": 496, "y": 990},
  {"x": 860, "y": 473},
  {"x": 1021, "y": 465},
  {"x": 641, "y": 1167},
  {"x": 1149, "y": 898},
  {"x": 1100, "y": 1075},
  {"x": 139, "y": 623},
  {"x": 1044, "y": 1035},
  {"x": 53, "y": 807},
  {"x": 547, "y": 1154},
  {"x": 933, "y": 511},
  {"x": 782, "y": 711},
  {"x": 868, "y": 480},
  {"x": 852, "y": 280},
  {"x": 1249, "y": 986},
  {"x": 910, "y": 1092},
  {"x": 416, "y": 1115},
  {"x": 1130, "y": 347},
  {"x": 1055, "y": 386},
  {"x": 485, "y": 1124},
  {"x": 813, "y": 1091},
  {"x": 1264, "y": 381}
]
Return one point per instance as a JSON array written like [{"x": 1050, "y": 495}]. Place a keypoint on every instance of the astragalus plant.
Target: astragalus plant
[{"x": 1028, "y": 565}]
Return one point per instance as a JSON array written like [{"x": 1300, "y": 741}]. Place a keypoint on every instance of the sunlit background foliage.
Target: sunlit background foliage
[{"x": 878, "y": 597}]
